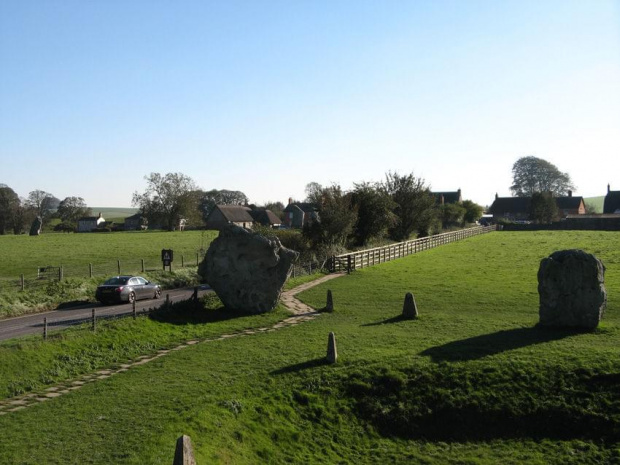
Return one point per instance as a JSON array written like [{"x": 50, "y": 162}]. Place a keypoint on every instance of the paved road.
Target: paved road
[{"x": 60, "y": 319}]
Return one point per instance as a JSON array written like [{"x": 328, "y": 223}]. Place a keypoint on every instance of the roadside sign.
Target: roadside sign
[{"x": 167, "y": 256}]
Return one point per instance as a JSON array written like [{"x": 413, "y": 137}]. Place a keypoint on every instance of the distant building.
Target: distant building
[
  {"x": 89, "y": 223},
  {"x": 299, "y": 214},
  {"x": 444, "y": 198},
  {"x": 241, "y": 215},
  {"x": 612, "y": 201},
  {"x": 137, "y": 222},
  {"x": 518, "y": 208}
]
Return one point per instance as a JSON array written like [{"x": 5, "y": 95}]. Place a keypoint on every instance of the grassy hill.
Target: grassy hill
[
  {"x": 112, "y": 212},
  {"x": 472, "y": 381}
]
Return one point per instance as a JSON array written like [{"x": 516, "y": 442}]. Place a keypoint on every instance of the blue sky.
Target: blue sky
[{"x": 267, "y": 96}]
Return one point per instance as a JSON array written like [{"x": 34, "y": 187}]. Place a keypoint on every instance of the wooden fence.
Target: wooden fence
[{"x": 369, "y": 257}]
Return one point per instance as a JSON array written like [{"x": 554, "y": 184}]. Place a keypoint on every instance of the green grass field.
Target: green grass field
[
  {"x": 24, "y": 254},
  {"x": 472, "y": 381}
]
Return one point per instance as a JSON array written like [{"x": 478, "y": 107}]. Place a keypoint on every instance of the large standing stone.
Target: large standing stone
[
  {"x": 410, "y": 309},
  {"x": 247, "y": 270},
  {"x": 571, "y": 286},
  {"x": 35, "y": 229}
]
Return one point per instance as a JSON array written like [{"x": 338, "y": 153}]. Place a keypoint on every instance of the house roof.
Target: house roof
[
  {"x": 89, "y": 218},
  {"x": 612, "y": 202},
  {"x": 448, "y": 197},
  {"x": 522, "y": 204},
  {"x": 568, "y": 203},
  {"x": 236, "y": 213},
  {"x": 265, "y": 217},
  {"x": 303, "y": 206},
  {"x": 137, "y": 216},
  {"x": 510, "y": 205}
]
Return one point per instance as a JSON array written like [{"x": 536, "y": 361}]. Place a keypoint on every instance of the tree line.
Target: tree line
[{"x": 17, "y": 214}]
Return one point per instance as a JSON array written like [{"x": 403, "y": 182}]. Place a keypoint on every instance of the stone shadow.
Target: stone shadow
[
  {"x": 317, "y": 362},
  {"x": 478, "y": 347},
  {"x": 387, "y": 321}
]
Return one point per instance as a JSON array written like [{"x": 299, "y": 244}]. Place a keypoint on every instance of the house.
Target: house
[
  {"x": 266, "y": 218},
  {"x": 518, "y": 208},
  {"x": 612, "y": 201},
  {"x": 444, "y": 198},
  {"x": 571, "y": 205},
  {"x": 137, "y": 222},
  {"x": 299, "y": 214},
  {"x": 223, "y": 215},
  {"x": 89, "y": 223}
]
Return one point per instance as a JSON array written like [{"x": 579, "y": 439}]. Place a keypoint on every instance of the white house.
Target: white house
[{"x": 88, "y": 223}]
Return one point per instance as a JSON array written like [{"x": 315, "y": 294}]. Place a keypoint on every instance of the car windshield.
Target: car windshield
[{"x": 116, "y": 281}]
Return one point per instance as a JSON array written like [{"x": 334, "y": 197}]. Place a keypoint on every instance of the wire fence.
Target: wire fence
[{"x": 43, "y": 275}]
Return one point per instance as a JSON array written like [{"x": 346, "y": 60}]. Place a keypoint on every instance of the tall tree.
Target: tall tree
[
  {"x": 531, "y": 174},
  {"x": 374, "y": 212},
  {"x": 71, "y": 209},
  {"x": 42, "y": 203},
  {"x": 221, "y": 197},
  {"x": 415, "y": 205},
  {"x": 336, "y": 219},
  {"x": 544, "y": 208},
  {"x": 9, "y": 204},
  {"x": 165, "y": 200}
]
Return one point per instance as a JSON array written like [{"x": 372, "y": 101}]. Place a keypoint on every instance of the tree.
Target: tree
[
  {"x": 336, "y": 219},
  {"x": 473, "y": 211},
  {"x": 374, "y": 212},
  {"x": 9, "y": 204},
  {"x": 165, "y": 200},
  {"x": 221, "y": 197},
  {"x": 531, "y": 175},
  {"x": 451, "y": 214},
  {"x": 42, "y": 203},
  {"x": 71, "y": 209},
  {"x": 543, "y": 208},
  {"x": 415, "y": 205}
]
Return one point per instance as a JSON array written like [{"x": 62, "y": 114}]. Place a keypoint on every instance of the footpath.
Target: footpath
[{"x": 300, "y": 313}]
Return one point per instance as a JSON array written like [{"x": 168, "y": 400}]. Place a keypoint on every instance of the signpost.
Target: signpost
[{"x": 166, "y": 258}]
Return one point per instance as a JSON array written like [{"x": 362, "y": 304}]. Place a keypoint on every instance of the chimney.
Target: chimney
[
  {"x": 570, "y": 193},
  {"x": 290, "y": 200},
  {"x": 608, "y": 188},
  {"x": 496, "y": 196}
]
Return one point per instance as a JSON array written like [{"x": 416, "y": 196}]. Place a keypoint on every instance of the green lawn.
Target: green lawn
[{"x": 472, "y": 381}]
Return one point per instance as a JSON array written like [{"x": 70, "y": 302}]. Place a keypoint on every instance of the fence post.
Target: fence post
[
  {"x": 182, "y": 261},
  {"x": 133, "y": 309},
  {"x": 90, "y": 270},
  {"x": 22, "y": 282},
  {"x": 142, "y": 260},
  {"x": 118, "y": 262},
  {"x": 348, "y": 264},
  {"x": 60, "y": 273},
  {"x": 197, "y": 263},
  {"x": 94, "y": 321},
  {"x": 45, "y": 329}
]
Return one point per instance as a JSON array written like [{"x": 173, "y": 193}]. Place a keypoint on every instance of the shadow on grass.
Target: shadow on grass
[
  {"x": 478, "y": 347},
  {"x": 317, "y": 362},
  {"x": 394, "y": 319}
]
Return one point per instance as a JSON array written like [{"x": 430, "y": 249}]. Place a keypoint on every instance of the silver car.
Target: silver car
[{"x": 127, "y": 289}]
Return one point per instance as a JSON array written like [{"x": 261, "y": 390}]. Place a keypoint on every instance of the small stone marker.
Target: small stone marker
[
  {"x": 332, "y": 352},
  {"x": 410, "y": 309},
  {"x": 184, "y": 453},
  {"x": 330, "y": 302},
  {"x": 571, "y": 287}
]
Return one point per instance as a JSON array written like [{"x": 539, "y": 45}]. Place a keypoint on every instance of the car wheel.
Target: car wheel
[
  {"x": 157, "y": 294},
  {"x": 132, "y": 297}
]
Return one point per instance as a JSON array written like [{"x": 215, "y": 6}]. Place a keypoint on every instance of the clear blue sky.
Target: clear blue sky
[{"x": 267, "y": 96}]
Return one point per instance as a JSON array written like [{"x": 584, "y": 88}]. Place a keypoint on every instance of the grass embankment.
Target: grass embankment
[{"x": 471, "y": 381}]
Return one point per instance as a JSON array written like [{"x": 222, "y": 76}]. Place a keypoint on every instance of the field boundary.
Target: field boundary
[{"x": 364, "y": 258}]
